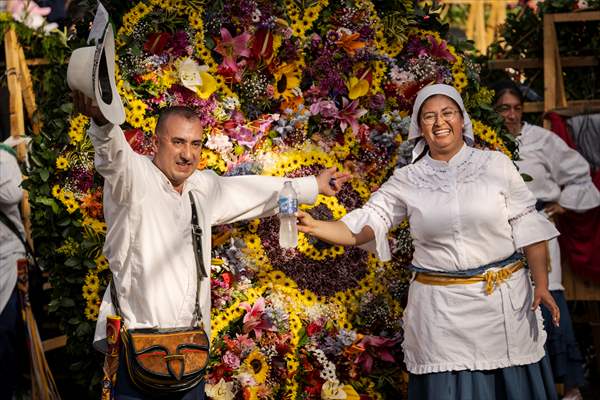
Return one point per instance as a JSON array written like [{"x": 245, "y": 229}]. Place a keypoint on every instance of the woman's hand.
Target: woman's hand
[
  {"x": 330, "y": 181},
  {"x": 543, "y": 296},
  {"x": 306, "y": 223},
  {"x": 553, "y": 209}
]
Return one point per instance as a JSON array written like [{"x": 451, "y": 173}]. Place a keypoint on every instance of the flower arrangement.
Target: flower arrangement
[{"x": 282, "y": 89}]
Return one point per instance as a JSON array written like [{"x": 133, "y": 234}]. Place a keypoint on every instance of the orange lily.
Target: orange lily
[{"x": 350, "y": 43}]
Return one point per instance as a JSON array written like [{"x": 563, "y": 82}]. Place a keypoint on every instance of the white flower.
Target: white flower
[
  {"x": 189, "y": 73},
  {"x": 219, "y": 143},
  {"x": 332, "y": 390},
  {"x": 245, "y": 379},
  {"x": 256, "y": 15},
  {"x": 582, "y": 4},
  {"x": 220, "y": 391}
]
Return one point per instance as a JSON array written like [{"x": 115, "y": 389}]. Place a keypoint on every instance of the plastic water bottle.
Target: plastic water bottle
[{"x": 288, "y": 205}]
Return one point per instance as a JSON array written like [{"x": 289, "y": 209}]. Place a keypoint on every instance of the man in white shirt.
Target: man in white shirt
[
  {"x": 11, "y": 249},
  {"x": 148, "y": 212}
]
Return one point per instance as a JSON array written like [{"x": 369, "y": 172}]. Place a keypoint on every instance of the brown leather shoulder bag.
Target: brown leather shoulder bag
[{"x": 161, "y": 361}]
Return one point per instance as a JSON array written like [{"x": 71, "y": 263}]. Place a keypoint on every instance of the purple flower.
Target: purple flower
[
  {"x": 179, "y": 44},
  {"x": 349, "y": 115},
  {"x": 231, "y": 360},
  {"x": 326, "y": 108},
  {"x": 377, "y": 102}
]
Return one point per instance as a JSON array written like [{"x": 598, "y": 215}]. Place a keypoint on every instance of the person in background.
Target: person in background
[
  {"x": 472, "y": 325},
  {"x": 561, "y": 181},
  {"x": 11, "y": 250}
]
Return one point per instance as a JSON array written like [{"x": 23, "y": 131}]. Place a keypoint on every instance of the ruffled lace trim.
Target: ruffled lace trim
[
  {"x": 529, "y": 210},
  {"x": 418, "y": 369},
  {"x": 426, "y": 175}
]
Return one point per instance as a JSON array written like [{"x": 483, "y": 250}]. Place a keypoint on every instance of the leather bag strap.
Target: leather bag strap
[{"x": 200, "y": 270}]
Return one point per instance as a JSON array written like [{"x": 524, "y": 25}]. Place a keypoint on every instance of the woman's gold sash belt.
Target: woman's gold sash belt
[{"x": 492, "y": 279}]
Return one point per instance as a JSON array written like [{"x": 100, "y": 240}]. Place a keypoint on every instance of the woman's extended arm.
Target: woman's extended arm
[{"x": 334, "y": 232}]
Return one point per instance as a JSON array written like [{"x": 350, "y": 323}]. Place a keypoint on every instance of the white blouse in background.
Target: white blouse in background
[
  {"x": 470, "y": 211},
  {"x": 560, "y": 174}
]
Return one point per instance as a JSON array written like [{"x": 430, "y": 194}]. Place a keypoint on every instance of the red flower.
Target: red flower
[
  {"x": 314, "y": 327},
  {"x": 262, "y": 46},
  {"x": 227, "y": 279},
  {"x": 156, "y": 42},
  {"x": 371, "y": 348}
]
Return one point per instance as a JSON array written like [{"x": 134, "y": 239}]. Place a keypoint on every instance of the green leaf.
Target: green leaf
[
  {"x": 44, "y": 174},
  {"x": 47, "y": 201},
  {"x": 74, "y": 321},
  {"x": 53, "y": 305},
  {"x": 72, "y": 262},
  {"x": 83, "y": 329},
  {"x": 64, "y": 222},
  {"x": 67, "y": 302},
  {"x": 67, "y": 108},
  {"x": 527, "y": 178}
]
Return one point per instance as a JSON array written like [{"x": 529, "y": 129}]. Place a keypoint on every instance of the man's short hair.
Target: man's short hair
[{"x": 181, "y": 111}]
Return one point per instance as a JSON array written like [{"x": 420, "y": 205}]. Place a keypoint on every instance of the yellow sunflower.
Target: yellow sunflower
[
  {"x": 92, "y": 281},
  {"x": 91, "y": 311},
  {"x": 88, "y": 292},
  {"x": 71, "y": 205},
  {"x": 62, "y": 163},
  {"x": 460, "y": 81},
  {"x": 287, "y": 78},
  {"x": 101, "y": 263},
  {"x": 256, "y": 365},
  {"x": 56, "y": 191}
]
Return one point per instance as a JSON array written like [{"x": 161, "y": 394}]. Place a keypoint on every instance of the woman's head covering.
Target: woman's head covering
[{"x": 414, "y": 131}]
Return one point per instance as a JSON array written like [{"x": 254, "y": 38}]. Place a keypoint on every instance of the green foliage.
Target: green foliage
[{"x": 522, "y": 37}]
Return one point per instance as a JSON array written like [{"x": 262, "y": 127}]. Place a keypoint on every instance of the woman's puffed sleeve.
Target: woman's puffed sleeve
[
  {"x": 384, "y": 210},
  {"x": 572, "y": 172},
  {"x": 528, "y": 226}
]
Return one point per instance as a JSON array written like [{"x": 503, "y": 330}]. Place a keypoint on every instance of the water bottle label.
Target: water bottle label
[{"x": 288, "y": 206}]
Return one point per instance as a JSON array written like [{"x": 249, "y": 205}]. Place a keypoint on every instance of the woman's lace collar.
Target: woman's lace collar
[{"x": 466, "y": 166}]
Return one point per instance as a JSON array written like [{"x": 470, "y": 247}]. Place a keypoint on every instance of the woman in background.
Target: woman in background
[{"x": 561, "y": 181}]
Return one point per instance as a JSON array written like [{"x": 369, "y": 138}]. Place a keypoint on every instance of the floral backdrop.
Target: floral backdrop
[{"x": 285, "y": 89}]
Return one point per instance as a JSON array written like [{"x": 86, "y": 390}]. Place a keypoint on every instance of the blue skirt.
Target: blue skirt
[
  {"x": 561, "y": 346},
  {"x": 525, "y": 382}
]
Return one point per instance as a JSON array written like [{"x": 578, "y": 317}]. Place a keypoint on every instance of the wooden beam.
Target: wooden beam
[
  {"x": 17, "y": 120},
  {"x": 577, "y": 16},
  {"x": 578, "y": 106},
  {"x": 533, "y": 63},
  {"x": 54, "y": 343},
  {"x": 27, "y": 92},
  {"x": 550, "y": 72}
]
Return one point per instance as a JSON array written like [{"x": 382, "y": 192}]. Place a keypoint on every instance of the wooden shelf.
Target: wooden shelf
[
  {"x": 576, "y": 105},
  {"x": 536, "y": 63}
]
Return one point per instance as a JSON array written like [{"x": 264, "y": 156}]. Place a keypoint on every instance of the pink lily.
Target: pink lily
[
  {"x": 253, "y": 320},
  {"x": 233, "y": 47},
  {"x": 440, "y": 50},
  {"x": 375, "y": 347},
  {"x": 349, "y": 115}
]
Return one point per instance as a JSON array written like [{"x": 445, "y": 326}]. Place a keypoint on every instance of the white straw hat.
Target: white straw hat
[{"x": 92, "y": 69}]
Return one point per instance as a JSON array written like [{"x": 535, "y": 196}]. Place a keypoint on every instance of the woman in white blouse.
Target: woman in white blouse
[
  {"x": 472, "y": 326},
  {"x": 561, "y": 181}
]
